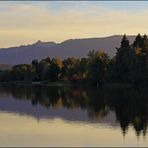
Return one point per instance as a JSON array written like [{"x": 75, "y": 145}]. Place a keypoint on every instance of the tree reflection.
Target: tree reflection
[{"x": 129, "y": 105}]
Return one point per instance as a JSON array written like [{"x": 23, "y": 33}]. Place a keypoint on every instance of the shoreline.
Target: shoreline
[{"x": 108, "y": 84}]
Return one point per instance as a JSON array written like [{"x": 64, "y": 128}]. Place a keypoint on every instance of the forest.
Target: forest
[{"x": 129, "y": 65}]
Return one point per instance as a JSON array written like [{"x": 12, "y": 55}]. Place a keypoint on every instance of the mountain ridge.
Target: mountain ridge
[{"x": 68, "y": 48}]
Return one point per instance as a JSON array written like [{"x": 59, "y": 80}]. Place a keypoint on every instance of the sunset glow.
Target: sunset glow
[{"x": 27, "y": 22}]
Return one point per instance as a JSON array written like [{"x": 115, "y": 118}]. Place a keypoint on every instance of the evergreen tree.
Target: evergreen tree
[
  {"x": 140, "y": 66},
  {"x": 138, "y": 43},
  {"x": 123, "y": 60}
]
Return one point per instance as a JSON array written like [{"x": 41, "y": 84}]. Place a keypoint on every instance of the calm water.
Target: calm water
[{"x": 73, "y": 116}]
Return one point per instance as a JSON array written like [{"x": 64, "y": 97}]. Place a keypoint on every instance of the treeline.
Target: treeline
[{"x": 130, "y": 65}]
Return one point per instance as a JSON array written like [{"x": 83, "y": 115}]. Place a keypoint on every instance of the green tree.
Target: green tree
[
  {"x": 123, "y": 60},
  {"x": 34, "y": 71},
  {"x": 69, "y": 67},
  {"x": 138, "y": 43},
  {"x": 140, "y": 66},
  {"x": 97, "y": 67},
  {"x": 21, "y": 72}
]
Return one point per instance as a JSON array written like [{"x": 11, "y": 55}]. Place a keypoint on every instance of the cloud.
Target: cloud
[{"x": 27, "y": 22}]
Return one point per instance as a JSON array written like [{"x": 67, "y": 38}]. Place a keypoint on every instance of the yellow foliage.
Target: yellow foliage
[
  {"x": 58, "y": 61},
  {"x": 139, "y": 51},
  {"x": 100, "y": 53}
]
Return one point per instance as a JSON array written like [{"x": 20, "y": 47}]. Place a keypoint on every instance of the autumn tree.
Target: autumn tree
[
  {"x": 55, "y": 69},
  {"x": 97, "y": 63}
]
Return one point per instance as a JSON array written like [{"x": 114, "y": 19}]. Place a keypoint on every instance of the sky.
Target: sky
[{"x": 24, "y": 23}]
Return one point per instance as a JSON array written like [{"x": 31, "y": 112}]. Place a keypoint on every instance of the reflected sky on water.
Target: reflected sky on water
[{"x": 73, "y": 116}]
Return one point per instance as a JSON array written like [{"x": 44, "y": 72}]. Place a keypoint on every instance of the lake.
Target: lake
[{"x": 73, "y": 116}]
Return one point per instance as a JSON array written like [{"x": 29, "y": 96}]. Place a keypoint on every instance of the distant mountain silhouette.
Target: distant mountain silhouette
[{"x": 68, "y": 48}]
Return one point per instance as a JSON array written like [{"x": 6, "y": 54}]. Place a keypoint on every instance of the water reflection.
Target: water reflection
[{"x": 129, "y": 106}]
